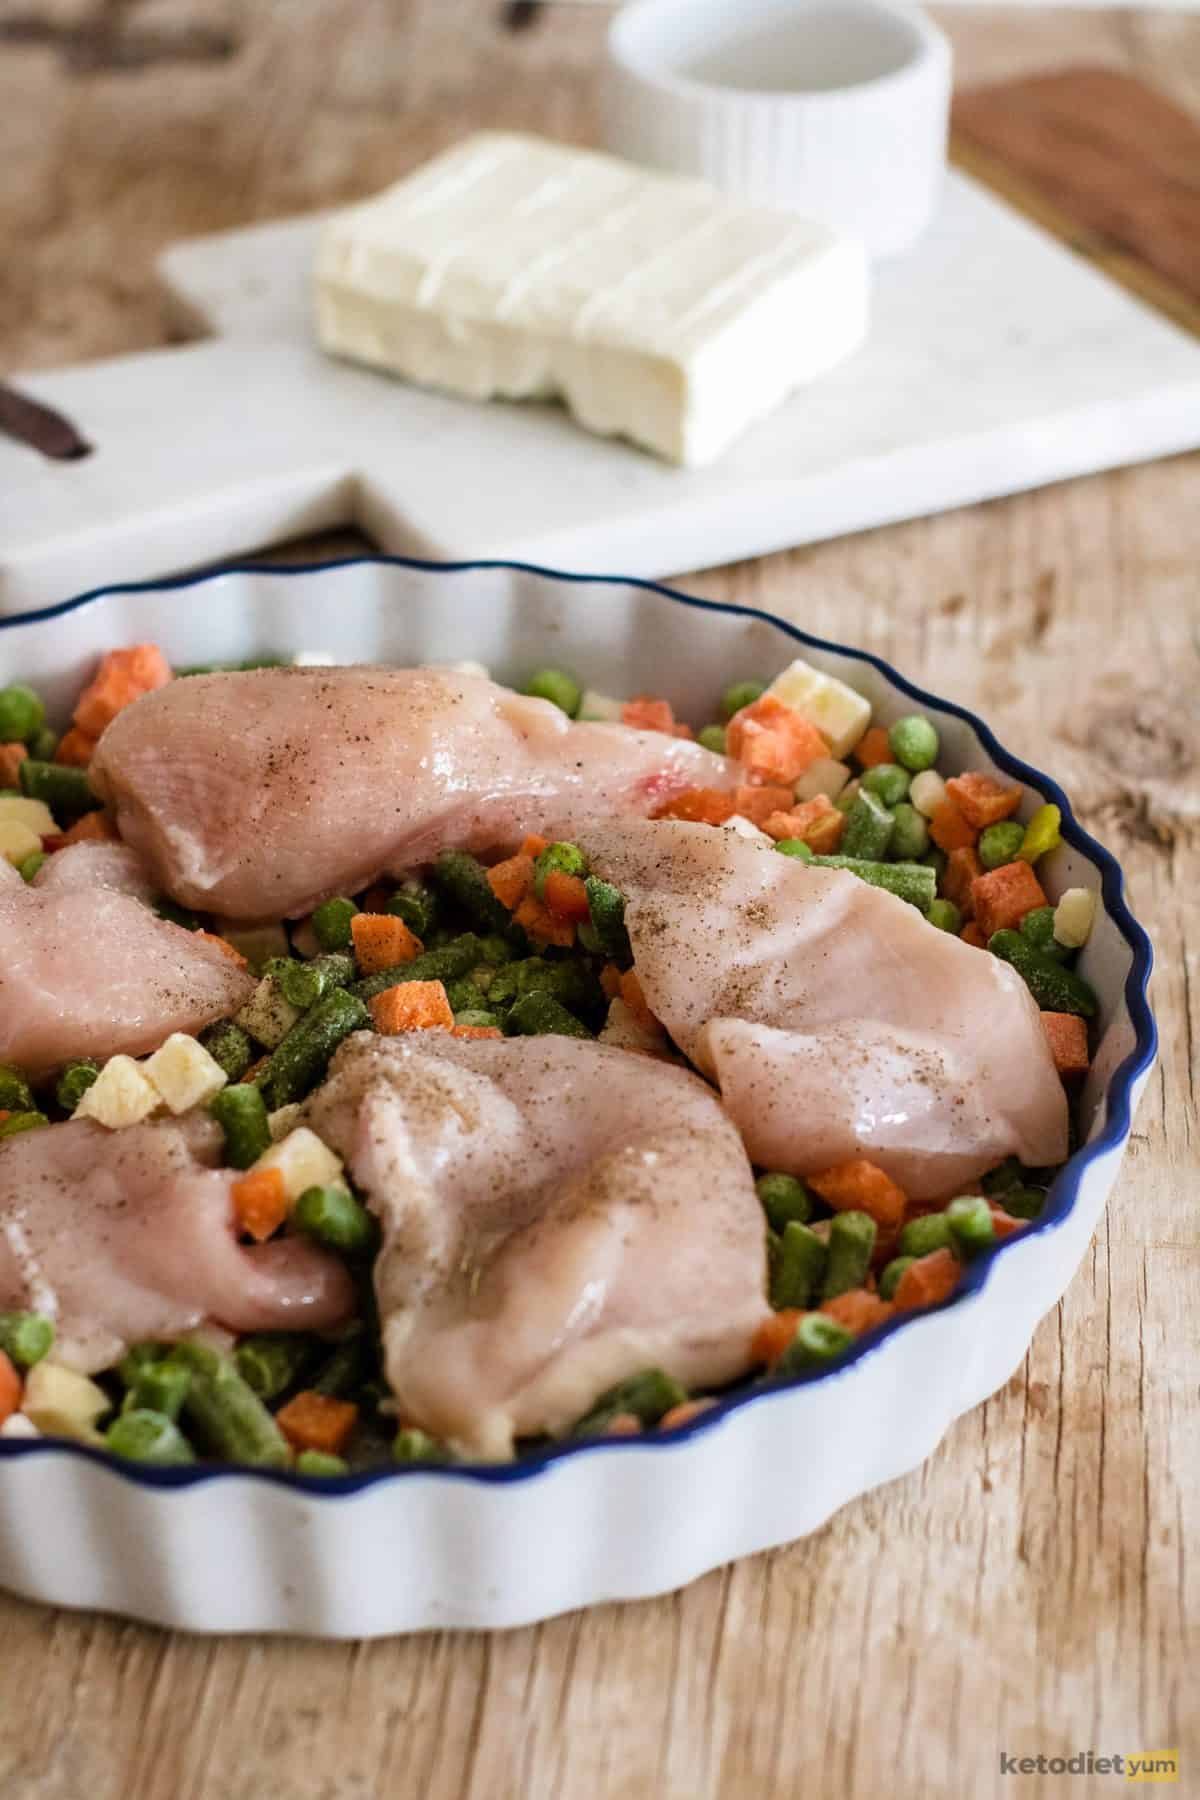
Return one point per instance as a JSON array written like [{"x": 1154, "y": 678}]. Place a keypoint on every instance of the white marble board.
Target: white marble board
[{"x": 997, "y": 361}]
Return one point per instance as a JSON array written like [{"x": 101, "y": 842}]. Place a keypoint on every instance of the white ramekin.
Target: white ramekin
[
  {"x": 418, "y": 1548},
  {"x": 834, "y": 108}
]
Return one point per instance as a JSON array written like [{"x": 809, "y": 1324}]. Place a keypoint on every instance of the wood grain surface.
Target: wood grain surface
[{"x": 1034, "y": 1588}]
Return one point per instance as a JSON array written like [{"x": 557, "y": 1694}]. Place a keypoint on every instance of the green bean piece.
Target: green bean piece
[
  {"x": 606, "y": 904},
  {"x": 971, "y": 1228},
  {"x": 229, "y": 1046},
  {"x": 461, "y": 879},
  {"x": 465, "y": 996},
  {"x": 16, "y": 1095},
  {"x": 1055, "y": 988},
  {"x": 914, "y": 743},
  {"x": 890, "y": 1279},
  {"x": 712, "y": 737},
  {"x": 539, "y": 1015},
  {"x": 647, "y": 1396},
  {"x": 25, "y": 1337},
  {"x": 910, "y": 834},
  {"x": 176, "y": 915},
  {"x": 22, "y": 1121},
  {"x": 851, "y": 1246},
  {"x": 30, "y": 865},
  {"x": 331, "y": 923},
  {"x": 139, "y": 1357},
  {"x": 145, "y": 1436},
  {"x": 999, "y": 843},
  {"x": 783, "y": 1198},
  {"x": 563, "y": 859},
  {"x": 160, "y": 1388},
  {"x": 849, "y": 794},
  {"x": 794, "y": 847},
  {"x": 241, "y": 1112},
  {"x": 226, "y": 1412},
  {"x": 271, "y": 1362},
  {"x": 798, "y": 1267},
  {"x": 43, "y": 744},
  {"x": 302, "y": 984},
  {"x": 888, "y": 782},
  {"x": 495, "y": 951},
  {"x": 1023, "y": 1202},
  {"x": 1038, "y": 927},
  {"x": 869, "y": 827},
  {"x": 571, "y": 982},
  {"x": 321, "y": 1462},
  {"x": 443, "y": 964},
  {"x": 75, "y": 1081},
  {"x": 333, "y": 1217},
  {"x": 416, "y": 905},
  {"x": 818, "y": 1342},
  {"x": 265, "y": 662},
  {"x": 921, "y": 1237},
  {"x": 347, "y": 1368},
  {"x": 300, "y": 1061},
  {"x": 742, "y": 693},
  {"x": 478, "y": 1019},
  {"x": 412, "y": 1446},
  {"x": 946, "y": 916},
  {"x": 914, "y": 882},
  {"x": 61, "y": 787},
  {"x": 557, "y": 686},
  {"x": 22, "y": 713}
]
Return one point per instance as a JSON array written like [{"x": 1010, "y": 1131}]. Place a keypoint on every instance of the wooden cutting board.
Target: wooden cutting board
[{"x": 999, "y": 360}]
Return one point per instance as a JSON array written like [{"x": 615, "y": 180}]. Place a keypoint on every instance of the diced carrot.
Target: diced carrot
[
  {"x": 75, "y": 748},
  {"x": 10, "y": 1388},
  {"x": 928, "y": 1281},
  {"x": 950, "y": 830},
  {"x": 758, "y": 803},
  {"x": 534, "y": 845},
  {"x": 982, "y": 800},
  {"x": 962, "y": 866},
  {"x": 1068, "y": 1040},
  {"x": 817, "y": 822},
  {"x": 381, "y": 941},
  {"x": 511, "y": 879},
  {"x": 971, "y": 934},
  {"x": 873, "y": 748},
  {"x": 858, "y": 1310},
  {"x": 543, "y": 926},
  {"x": 411, "y": 1006},
  {"x": 123, "y": 676},
  {"x": 260, "y": 1202},
  {"x": 566, "y": 895},
  {"x": 11, "y": 758},
  {"x": 476, "y": 1031},
  {"x": 773, "y": 1337},
  {"x": 625, "y": 1424},
  {"x": 774, "y": 743},
  {"x": 313, "y": 1421},
  {"x": 635, "y": 1000},
  {"x": 648, "y": 714},
  {"x": 699, "y": 806},
  {"x": 860, "y": 1186},
  {"x": 610, "y": 981},
  {"x": 4, "y": 1114},
  {"x": 92, "y": 828},
  {"x": 1003, "y": 1224},
  {"x": 684, "y": 1413},
  {"x": 223, "y": 944},
  {"x": 1003, "y": 896}
]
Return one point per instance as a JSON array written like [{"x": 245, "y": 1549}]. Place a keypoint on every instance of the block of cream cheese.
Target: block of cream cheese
[{"x": 657, "y": 308}]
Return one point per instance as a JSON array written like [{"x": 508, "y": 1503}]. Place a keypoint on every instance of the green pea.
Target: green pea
[
  {"x": 30, "y": 866},
  {"x": 742, "y": 693},
  {"x": 712, "y": 737},
  {"x": 999, "y": 844},
  {"x": 971, "y": 1228},
  {"x": 334, "y": 1218},
  {"x": 556, "y": 686},
  {"x": 562, "y": 859},
  {"x": 331, "y": 923},
  {"x": 411, "y": 1445},
  {"x": 320, "y": 1462},
  {"x": 22, "y": 713},
  {"x": 910, "y": 834},
  {"x": 795, "y": 847},
  {"x": 784, "y": 1198},
  {"x": 888, "y": 782},
  {"x": 914, "y": 743},
  {"x": 946, "y": 916}
]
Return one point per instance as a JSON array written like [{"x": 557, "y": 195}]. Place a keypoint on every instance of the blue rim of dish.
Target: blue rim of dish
[{"x": 1060, "y": 1200}]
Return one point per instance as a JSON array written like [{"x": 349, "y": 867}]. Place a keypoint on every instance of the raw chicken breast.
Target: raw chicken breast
[
  {"x": 88, "y": 971},
  {"x": 257, "y": 794},
  {"x": 124, "y": 1235},
  {"x": 8, "y": 875},
  {"x": 87, "y": 865},
  {"x": 557, "y": 1216},
  {"x": 834, "y": 1018}
]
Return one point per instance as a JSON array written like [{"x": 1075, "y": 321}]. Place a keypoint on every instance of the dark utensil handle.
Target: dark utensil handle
[{"x": 40, "y": 427}]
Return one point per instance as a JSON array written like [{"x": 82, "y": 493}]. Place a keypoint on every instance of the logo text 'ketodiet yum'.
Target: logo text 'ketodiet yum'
[{"x": 1144, "y": 1765}]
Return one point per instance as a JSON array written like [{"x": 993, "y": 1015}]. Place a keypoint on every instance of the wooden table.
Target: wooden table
[{"x": 1030, "y": 1590}]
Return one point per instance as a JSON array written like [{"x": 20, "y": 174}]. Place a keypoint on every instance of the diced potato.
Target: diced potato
[
  {"x": 600, "y": 708},
  {"x": 927, "y": 793},
  {"x": 63, "y": 1403},
  {"x": 280, "y": 1122},
  {"x": 18, "y": 1426},
  {"x": 17, "y": 841},
  {"x": 1073, "y": 918},
  {"x": 303, "y": 1161},
  {"x": 267, "y": 1016},
  {"x": 184, "y": 1073},
  {"x": 34, "y": 813},
  {"x": 836, "y": 710},
  {"x": 825, "y": 776},
  {"x": 120, "y": 1095}
]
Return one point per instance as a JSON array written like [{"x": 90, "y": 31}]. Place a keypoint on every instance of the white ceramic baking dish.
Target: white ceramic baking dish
[{"x": 413, "y": 1549}]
